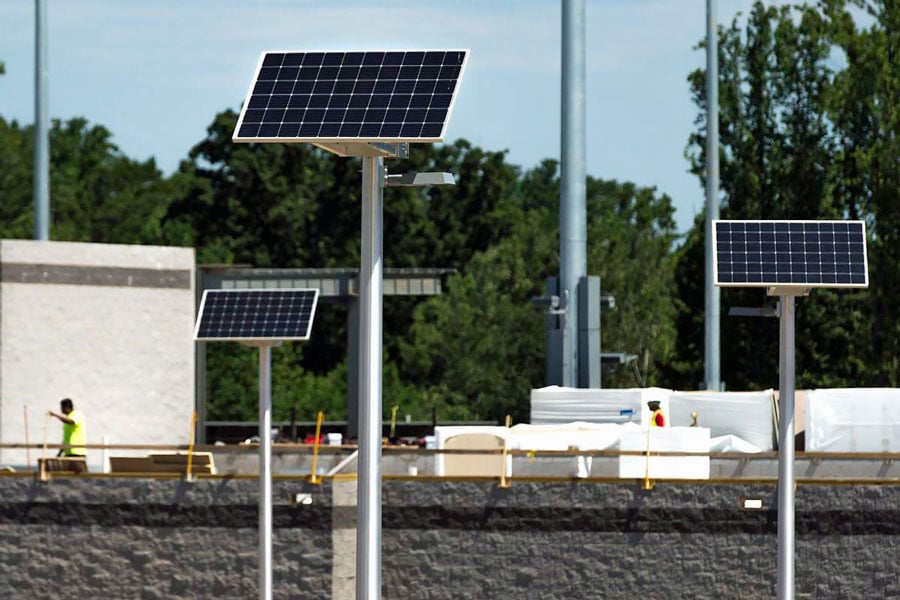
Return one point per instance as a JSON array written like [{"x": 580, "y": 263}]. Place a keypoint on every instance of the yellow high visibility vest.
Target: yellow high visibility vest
[{"x": 76, "y": 434}]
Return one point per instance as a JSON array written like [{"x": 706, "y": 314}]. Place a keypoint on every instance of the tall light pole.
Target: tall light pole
[
  {"x": 572, "y": 205},
  {"x": 41, "y": 125},
  {"x": 712, "y": 376}
]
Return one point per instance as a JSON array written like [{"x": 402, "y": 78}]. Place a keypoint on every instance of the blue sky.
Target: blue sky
[{"x": 155, "y": 73}]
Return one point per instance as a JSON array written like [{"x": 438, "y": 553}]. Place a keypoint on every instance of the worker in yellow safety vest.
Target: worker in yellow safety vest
[
  {"x": 74, "y": 428},
  {"x": 657, "y": 418}
]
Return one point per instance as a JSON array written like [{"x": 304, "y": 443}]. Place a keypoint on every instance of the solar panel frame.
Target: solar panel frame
[
  {"x": 275, "y": 320},
  {"x": 790, "y": 254},
  {"x": 308, "y": 94}
]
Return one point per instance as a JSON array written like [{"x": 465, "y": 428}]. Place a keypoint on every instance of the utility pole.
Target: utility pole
[
  {"x": 712, "y": 374},
  {"x": 41, "y": 125},
  {"x": 573, "y": 193}
]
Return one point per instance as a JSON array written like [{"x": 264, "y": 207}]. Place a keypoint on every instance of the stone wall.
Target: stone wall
[{"x": 124, "y": 538}]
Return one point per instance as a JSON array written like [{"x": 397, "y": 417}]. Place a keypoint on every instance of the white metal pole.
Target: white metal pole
[
  {"x": 786, "y": 450},
  {"x": 712, "y": 375},
  {"x": 368, "y": 531},
  {"x": 265, "y": 472}
]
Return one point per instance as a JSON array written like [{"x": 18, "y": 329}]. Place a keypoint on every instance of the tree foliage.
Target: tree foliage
[{"x": 808, "y": 106}]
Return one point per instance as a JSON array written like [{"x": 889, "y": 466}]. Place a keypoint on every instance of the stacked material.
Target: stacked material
[
  {"x": 745, "y": 416},
  {"x": 576, "y": 436},
  {"x": 561, "y": 405},
  {"x": 853, "y": 420},
  {"x": 738, "y": 421}
]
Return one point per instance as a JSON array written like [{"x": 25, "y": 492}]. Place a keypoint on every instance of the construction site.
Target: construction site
[{"x": 647, "y": 491}]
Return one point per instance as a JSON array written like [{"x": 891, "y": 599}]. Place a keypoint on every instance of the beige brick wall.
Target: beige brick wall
[{"x": 109, "y": 326}]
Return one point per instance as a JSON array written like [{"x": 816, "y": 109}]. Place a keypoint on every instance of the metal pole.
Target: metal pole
[
  {"x": 572, "y": 207},
  {"x": 786, "y": 450},
  {"x": 41, "y": 125},
  {"x": 368, "y": 531},
  {"x": 265, "y": 472},
  {"x": 712, "y": 375}
]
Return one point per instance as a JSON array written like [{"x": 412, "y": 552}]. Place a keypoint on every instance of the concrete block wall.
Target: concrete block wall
[
  {"x": 154, "y": 538},
  {"x": 109, "y": 326},
  {"x": 584, "y": 540}
]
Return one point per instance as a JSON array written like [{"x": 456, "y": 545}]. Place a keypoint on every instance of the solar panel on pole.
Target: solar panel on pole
[
  {"x": 262, "y": 318},
  {"x": 790, "y": 253},
  {"x": 373, "y": 96},
  {"x": 789, "y": 258},
  {"x": 256, "y": 315},
  {"x": 369, "y": 104}
]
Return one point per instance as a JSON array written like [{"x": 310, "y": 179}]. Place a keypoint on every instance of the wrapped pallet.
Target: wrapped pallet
[
  {"x": 559, "y": 405},
  {"x": 853, "y": 420},
  {"x": 748, "y": 416}
]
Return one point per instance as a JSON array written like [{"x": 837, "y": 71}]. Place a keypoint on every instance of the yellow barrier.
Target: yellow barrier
[{"x": 313, "y": 476}]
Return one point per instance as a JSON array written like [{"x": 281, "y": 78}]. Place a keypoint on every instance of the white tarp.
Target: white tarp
[
  {"x": 664, "y": 439},
  {"x": 853, "y": 420},
  {"x": 745, "y": 415},
  {"x": 580, "y": 435},
  {"x": 731, "y": 443},
  {"x": 562, "y": 405}
]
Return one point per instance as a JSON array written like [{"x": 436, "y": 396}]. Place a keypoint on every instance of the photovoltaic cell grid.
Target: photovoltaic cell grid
[
  {"x": 256, "y": 315},
  {"x": 790, "y": 253},
  {"x": 388, "y": 96}
]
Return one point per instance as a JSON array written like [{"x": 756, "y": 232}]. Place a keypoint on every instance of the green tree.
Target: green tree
[
  {"x": 480, "y": 348},
  {"x": 797, "y": 131},
  {"x": 97, "y": 194},
  {"x": 631, "y": 235},
  {"x": 866, "y": 116},
  {"x": 16, "y": 150}
]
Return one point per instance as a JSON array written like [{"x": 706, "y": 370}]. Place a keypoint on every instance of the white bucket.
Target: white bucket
[{"x": 334, "y": 439}]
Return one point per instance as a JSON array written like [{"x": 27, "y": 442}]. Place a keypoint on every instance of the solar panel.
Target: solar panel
[
  {"x": 790, "y": 253},
  {"x": 256, "y": 315},
  {"x": 372, "y": 96}
]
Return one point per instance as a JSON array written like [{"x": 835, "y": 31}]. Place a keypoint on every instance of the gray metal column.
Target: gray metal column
[
  {"x": 589, "y": 332},
  {"x": 41, "y": 125},
  {"x": 368, "y": 531},
  {"x": 786, "y": 449},
  {"x": 265, "y": 472},
  {"x": 572, "y": 207},
  {"x": 354, "y": 352},
  {"x": 712, "y": 374}
]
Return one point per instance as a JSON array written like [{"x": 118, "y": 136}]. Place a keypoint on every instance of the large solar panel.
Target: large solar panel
[
  {"x": 790, "y": 253},
  {"x": 372, "y": 96},
  {"x": 256, "y": 315}
]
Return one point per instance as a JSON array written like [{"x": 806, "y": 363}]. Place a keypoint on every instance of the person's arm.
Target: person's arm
[{"x": 62, "y": 418}]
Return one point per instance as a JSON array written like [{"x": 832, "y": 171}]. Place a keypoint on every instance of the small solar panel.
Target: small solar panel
[
  {"x": 256, "y": 315},
  {"x": 372, "y": 96},
  {"x": 790, "y": 253}
]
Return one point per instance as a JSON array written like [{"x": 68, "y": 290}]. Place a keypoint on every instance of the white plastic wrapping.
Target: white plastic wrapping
[
  {"x": 853, "y": 420},
  {"x": 745, "y": 415},
  {"x": 562, "y": 405},
  {"x": 665, "y": 439}
]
